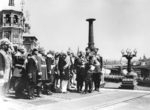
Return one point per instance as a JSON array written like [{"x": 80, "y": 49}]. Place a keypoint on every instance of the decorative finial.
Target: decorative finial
[
  {"x": 27, "y": 15},
  {"x": 22, "y": 4},
  {"x": 11, "y": 3}
]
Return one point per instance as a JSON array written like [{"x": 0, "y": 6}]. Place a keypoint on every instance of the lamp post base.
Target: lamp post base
[{"x": 129, "y": 81}]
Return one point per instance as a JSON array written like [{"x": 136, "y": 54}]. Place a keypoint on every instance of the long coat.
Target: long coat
[
  {"x": 61, "y": 63},
  {"x": 64, "y": 73},
  {"x": 33, "y": 67},
  {"x": 44, "y": 75}
]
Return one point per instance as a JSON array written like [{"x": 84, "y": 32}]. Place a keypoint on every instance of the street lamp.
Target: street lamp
[
  {"x": 129, "y": 55},
  {"x": 129, "y": 81}
]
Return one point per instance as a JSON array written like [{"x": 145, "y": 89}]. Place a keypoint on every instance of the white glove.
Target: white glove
[
  {"x": 49, "y": 72},
  {"x": 92, "y": 67},
  {"x": 40, "y": 73},
  {"x": 2, "y": 81}
]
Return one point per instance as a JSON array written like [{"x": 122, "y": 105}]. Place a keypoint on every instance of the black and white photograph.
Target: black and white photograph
[{"x": 74, "y": 54}]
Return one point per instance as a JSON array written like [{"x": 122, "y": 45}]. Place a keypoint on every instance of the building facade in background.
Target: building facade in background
[{"x": 13, "y": 25}]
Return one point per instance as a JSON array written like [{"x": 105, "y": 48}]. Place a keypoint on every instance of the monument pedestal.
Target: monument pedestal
[{"x": 129, "y": 82}]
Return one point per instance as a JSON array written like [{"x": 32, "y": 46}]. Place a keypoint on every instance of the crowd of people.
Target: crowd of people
[{"x": 35, "y": 73}]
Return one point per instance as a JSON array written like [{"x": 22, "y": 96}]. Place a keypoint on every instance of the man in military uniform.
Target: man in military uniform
[
  {"x": 34, "y": 69},
  {"x": 80, "y": 67},
  {"x": 19, "y": 59},
  {"x": 50, "y": 70},
  {"x": 97, "y": 70},
  {"x": 44, "y": 78}
]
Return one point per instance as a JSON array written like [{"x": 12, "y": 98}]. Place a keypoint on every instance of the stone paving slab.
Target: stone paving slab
[
  {"x": 75, "y": 101},
  {"x": 41, "y": 102},
  {"x": 142, "y": 103},
  {"x": 21, "y": 104},
  {"x": 74, "y": 95},
  {"x": 106, "y": 99},
  {"x": 92, "y": 102}
]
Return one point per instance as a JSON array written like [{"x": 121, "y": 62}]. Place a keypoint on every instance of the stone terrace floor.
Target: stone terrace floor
[{"x": 106, "y": 99}]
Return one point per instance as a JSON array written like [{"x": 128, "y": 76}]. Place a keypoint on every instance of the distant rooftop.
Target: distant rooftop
[
  {"x": 28, "y": 35},
  {"x": 12, "y": 8}
]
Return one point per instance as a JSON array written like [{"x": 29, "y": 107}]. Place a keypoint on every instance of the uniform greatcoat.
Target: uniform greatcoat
[{"x": 33, "y": 67}]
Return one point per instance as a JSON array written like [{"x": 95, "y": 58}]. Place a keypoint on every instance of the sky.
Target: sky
[{"x": 120, "y": 24}]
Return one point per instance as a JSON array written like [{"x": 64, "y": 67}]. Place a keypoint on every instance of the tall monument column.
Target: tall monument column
[{"x": 91, "y": 36}]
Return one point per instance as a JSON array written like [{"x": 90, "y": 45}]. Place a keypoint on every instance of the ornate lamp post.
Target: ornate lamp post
[
  {"x": 129, "y": 55},
  {"x": 129, "y": 81}
]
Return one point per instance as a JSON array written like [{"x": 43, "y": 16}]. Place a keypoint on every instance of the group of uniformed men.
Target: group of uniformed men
[{"x": 37, "y": 73}]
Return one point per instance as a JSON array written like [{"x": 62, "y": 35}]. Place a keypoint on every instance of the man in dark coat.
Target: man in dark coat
[
  {"x": 50, "y": 71},
  {"x": 64, "y": 63},
  {"x": 33, "y": 69},
  {"x": 18, "y": 71},
  {"x": 61, "y": 64},
  {"x": 80, "y": 67}
]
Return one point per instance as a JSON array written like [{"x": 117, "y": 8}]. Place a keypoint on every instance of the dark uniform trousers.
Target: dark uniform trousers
[
  {"x": 88, "y": 81},
  {"x": 30, "y": 87},
  {"x": 88, "y": 84},
  {"x": 80, "y": 78},
  {"x": 97, "y": 80},
  {"x": 31, "y": 84},
  {"x": 48, "y": 85}
]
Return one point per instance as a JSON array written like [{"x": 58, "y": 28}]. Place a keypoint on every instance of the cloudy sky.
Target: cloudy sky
[{"x": 120, "y": 24}]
